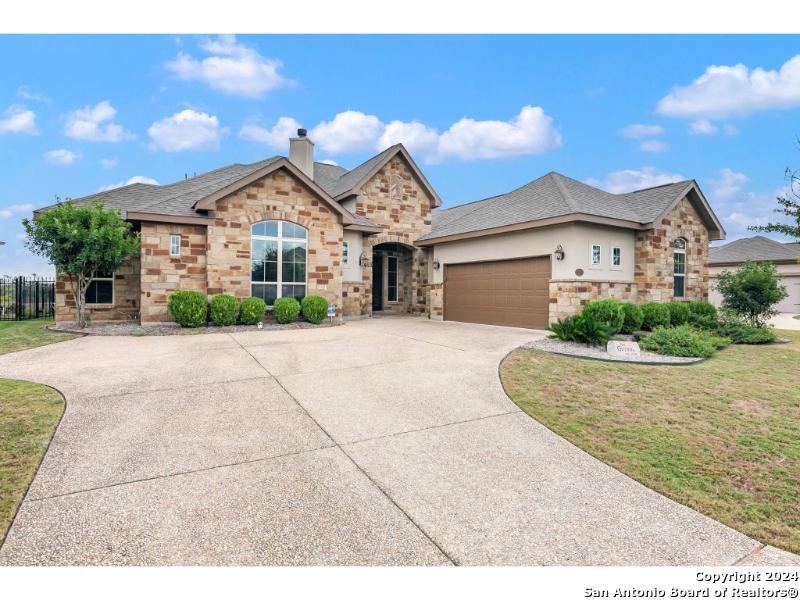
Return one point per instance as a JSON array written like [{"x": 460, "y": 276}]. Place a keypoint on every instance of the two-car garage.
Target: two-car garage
[{"x": 514, "y": 292}]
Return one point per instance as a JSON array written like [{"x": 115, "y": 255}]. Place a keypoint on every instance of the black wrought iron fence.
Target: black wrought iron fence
[{"x": 24, "y": 298}]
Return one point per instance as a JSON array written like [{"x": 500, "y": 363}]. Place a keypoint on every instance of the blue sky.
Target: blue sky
[{"x": 481, "y": 114}]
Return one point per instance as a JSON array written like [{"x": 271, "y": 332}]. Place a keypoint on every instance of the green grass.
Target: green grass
[
  {"x": 722, "y": 437},
  {"x": 20, "y": 335},
  {"x": 796, "y": 317},
  {"x": 29, "y": 413}
]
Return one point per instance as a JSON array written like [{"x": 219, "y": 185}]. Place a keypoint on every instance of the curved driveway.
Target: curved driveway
[{"x": 387, "y": 441}]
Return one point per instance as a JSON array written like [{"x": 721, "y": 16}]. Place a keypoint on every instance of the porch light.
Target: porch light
[
  {"x": 559, "y": 253},
  {"x": 436, "y": 265},
  {"x": 363, "y": 260}
]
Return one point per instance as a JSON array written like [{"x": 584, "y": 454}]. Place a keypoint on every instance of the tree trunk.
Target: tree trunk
[{"x": 79, "y": 285}]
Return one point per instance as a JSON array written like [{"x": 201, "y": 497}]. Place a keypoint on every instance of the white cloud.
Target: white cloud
[
  {"x": 232, "y": 68},
  {"x": 729, "y": 185},
  {"x": 14, "y": 209},
  {"x": 109, "y": 163},
  {"x": 61, "y": 157},
  {"x": 417, "y": 137},
  {"x": 638, "y": 130},
  {"x": 186, "y": 130},
  {"x": 18, "y": 119},
  {"x": 95, "y": 124},
  {"x": 728, "y": 129},
  {"x": 25, "y": 93},
  {"x": 132, "y": 180},
  {"x": 702, "y": 127},
  {"x": 277, "y": 136},
  {"x": 653, "y": 146},
  {"x": 328, "y": 161},
  {"x": 629, "y": 180},
  {"x": 724, "y": 91},
  {"x": 348, "y": 131}
]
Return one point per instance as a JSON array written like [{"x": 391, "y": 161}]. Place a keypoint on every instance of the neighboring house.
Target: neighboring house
[
  {"x": 373, "y": 239},
  {"x": 785, "y": 257}
]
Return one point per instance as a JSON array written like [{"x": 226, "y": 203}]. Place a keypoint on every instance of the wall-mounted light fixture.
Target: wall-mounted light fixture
[
  {"x": 436, "y": 265},
  {"x": 559, "y": 253},
  {"x": 363, "y": 260}
]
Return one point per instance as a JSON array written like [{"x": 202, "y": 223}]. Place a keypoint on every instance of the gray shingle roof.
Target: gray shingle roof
[
  {"x": 554, "y": 195},
  {"x": 753, "y": 248},
  {"x": 348, "y": 180}
]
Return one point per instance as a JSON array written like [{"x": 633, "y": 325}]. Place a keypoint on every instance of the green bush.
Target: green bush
[
  {"x": 683, "y": 341},
  {"x": 738, "y": 329},
  {"x": 607, "y": 312},
  {"x": 224, "y": 310},
  {"x": 315, "y": 308},
  {"x": 286, "y": 309},
  {"x": 752, "y": 290},
  {"x": 655, "y": 315},
  {"x": 678, "y": 313},
  {"x": 188, "y": 309},
  {"x": 582, "y": 329},
  {"x": 706, "y": 322},
  {"x": 701, "y": 308},
  {"x": 252, "y": 310},
  {"x": 633, "y": 318}
]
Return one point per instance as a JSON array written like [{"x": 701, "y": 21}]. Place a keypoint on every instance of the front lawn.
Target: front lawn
[
  {"x": 29, "y": 413},
  {"x": 20, "y": 335},
  {"x": 722, "y": 437}
]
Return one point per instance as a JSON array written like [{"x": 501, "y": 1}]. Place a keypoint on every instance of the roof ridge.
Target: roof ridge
[
  {"x": 563, "y": 190},
  {"x": 654, "y": 187}
]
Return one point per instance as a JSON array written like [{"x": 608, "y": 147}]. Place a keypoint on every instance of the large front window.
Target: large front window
[
  {"x": 679, "y": 269},
  {"x": 278, "y": 260}
]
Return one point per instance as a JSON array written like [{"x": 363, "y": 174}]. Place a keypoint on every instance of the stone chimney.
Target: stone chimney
[{"x": 301, "y": 153}]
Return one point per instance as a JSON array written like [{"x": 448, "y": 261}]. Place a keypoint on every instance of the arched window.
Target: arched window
[
  {"x": 679, "y": 268},
  {"x": 278, "y": 260}
]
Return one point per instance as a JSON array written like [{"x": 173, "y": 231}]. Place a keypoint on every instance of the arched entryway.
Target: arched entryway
[{"x": 392, "y": 278}]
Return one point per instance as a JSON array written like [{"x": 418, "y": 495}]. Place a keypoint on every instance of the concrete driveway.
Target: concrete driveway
[{"x": 388, "y": 441}]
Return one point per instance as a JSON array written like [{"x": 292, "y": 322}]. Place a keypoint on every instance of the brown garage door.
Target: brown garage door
[{"x": 501, "y": 292}]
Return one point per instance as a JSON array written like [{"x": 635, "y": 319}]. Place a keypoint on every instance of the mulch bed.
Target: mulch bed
[{"x": 555, "y": 346}]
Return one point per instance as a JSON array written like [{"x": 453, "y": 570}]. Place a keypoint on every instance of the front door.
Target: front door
[{"x": 377, "y": 282}]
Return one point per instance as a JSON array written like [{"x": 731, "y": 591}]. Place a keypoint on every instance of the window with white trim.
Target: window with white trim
[
  {"x": 616, "y": 256},
  {"x": 278, "y": 260},
  {"x": 391, "y": 279},
  {"x": 345, "y": 253},
  {"x": 175, "y": 245},
  {"x": 679, "y": 268},
  {"x": 101, "y": 289},
  {"x": 595, "y": 255}
]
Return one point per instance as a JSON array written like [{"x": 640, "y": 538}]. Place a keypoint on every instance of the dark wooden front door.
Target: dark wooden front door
[
  {"x": 377, "y": 282},
  {"x": 501, "y": 292}
]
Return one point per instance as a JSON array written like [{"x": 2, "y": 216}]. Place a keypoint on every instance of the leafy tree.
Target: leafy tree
[
  {"x": 81, "y": 241},
  {"x": 789, "y": 205},
  {"x": 752, "y": 291}
]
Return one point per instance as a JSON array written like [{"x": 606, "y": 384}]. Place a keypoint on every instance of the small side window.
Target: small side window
[
  {"x": 345, "y": 253},
  {"x": 595, "y": 254},
  {"x": 616, "y": 256},
  {"x": 174, "y": 245}
]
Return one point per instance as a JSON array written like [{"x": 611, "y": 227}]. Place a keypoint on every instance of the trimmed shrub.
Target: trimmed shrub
[
  {"x": 188, "y": 309},
  {"x": 286, "y": 310},
  {"x": 224, "y": 310},
  {"x": 752, "y": 290},
  {"x": 683, "y": 341},
  {"x": 582, "y": 329},
  {"x": 608, "y": 312},
  {"x": 678, "y": 313},
  {"x": 654, "y": 315},
  {"x": 315, "y": 308},
  {"x": 740, "y": 331},
  {"x": 701, "y": 308},
  {"x": 252, "y": 310},
  {"x": 632, "y": 317}
]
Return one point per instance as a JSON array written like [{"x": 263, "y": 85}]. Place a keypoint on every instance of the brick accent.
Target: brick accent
[
  {"x": 126, "y": 297},
  {"x": 163, "y": 274},
  {"x": 277, "y": 196},
  {"x": 654, "y": 256},
  {"x": 355, "y": 299},
  {"x": 568, "y": 296}
]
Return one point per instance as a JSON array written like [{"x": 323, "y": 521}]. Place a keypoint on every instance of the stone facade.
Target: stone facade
[
  {"x": 277, "y": 196},
  {"x": 568, "y": 296},
  {"x": 654, "y": 256},
  {"x": 162, "y": 274},
  {"x": 126, "y": 297}
]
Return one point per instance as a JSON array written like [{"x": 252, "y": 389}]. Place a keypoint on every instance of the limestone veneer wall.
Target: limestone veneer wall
[{"x": 126, "y": 297}]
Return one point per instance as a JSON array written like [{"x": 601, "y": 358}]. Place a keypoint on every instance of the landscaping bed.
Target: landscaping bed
[
  {"x": 135, "y": 329},
  {"x": 720, "y": 436},
  {"x": 596, "y": 352}
]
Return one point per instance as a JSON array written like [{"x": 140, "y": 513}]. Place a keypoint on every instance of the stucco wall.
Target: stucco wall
[{"x": 351, "y": 272}]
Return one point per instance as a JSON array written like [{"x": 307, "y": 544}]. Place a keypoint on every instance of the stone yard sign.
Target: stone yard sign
[{"x": 628, "y": 350}]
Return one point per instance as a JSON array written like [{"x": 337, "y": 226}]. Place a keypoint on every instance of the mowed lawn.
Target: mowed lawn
[
  {"x": 722, "y": 437},
  {"x": 29, "y": 413}
]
